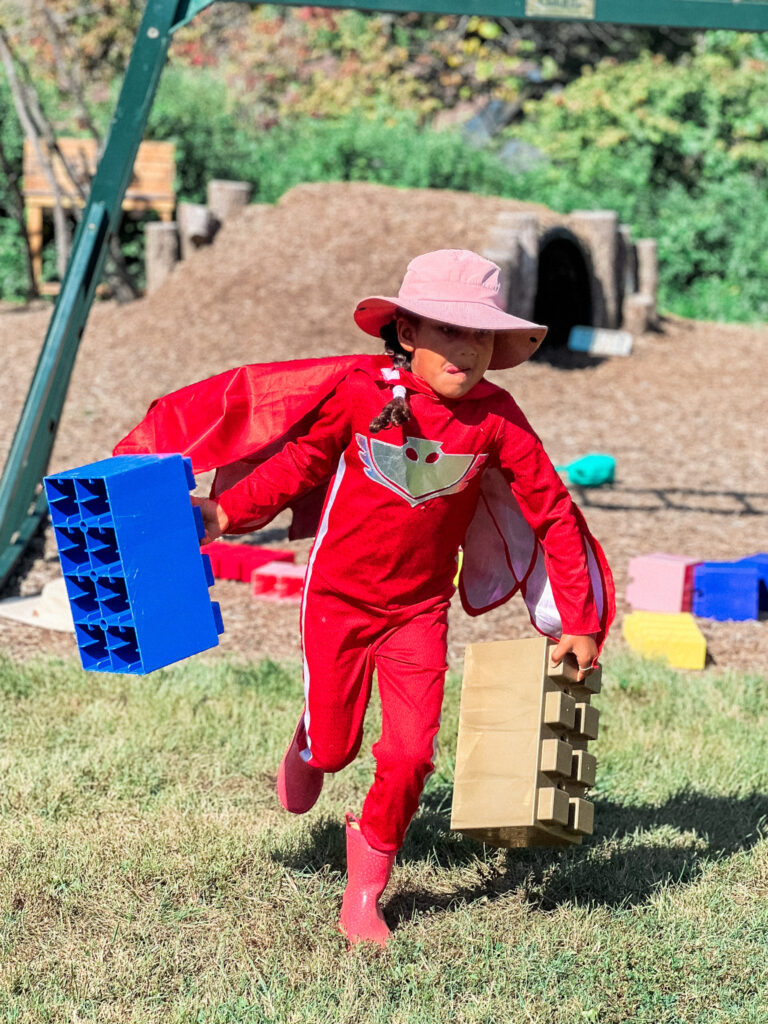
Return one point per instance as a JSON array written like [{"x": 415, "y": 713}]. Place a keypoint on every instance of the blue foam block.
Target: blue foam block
[
  {"x": 760, "y": 562},
  {"x": 725, "y": 590},
  {"x": 129, "y": 546}
]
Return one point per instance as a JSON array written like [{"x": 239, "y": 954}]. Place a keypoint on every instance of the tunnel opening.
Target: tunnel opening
[{"x": 563, "y": 290}]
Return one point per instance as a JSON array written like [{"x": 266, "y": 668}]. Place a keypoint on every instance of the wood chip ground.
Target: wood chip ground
[{"x": 684, "y": 415}]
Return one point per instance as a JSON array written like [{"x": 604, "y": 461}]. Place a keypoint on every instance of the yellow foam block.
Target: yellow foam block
[{"x": 674, "y": 636}]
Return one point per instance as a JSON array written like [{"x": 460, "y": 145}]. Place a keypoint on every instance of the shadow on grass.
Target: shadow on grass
[
  {"x": 320, "y": 845},
  {"x": 623, "y": 864}
]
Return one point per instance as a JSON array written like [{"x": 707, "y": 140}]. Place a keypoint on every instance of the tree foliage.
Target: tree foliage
[
  {"x": 692, "y": 122},
  {"x": 680, "y": 150},
  {"x": 282, "y": 62},
  {"x": 102, "y": 33}
]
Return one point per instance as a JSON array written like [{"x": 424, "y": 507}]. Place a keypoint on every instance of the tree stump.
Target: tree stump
[
  {"x": 197, "y": 227},
  {"x": 648, "y": 274},
  {"x": 226, "y": 198},
  {"x": 161, "y": 252}
]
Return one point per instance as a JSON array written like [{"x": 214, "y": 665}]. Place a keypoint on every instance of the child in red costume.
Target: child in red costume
[
  {"x": 405, "y": 488},
  {"x": 420, "y": 455}
]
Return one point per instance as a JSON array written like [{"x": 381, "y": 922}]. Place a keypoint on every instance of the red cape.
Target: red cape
[{"x": 238, "y": 419}]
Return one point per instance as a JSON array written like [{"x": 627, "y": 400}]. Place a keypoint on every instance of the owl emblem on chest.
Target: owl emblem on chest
[{"x": 418, "y": 469}]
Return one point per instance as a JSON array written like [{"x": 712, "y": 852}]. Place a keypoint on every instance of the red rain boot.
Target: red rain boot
[
  {"x": 368, "y": 872},
  {"x": 298, "y": 783}
]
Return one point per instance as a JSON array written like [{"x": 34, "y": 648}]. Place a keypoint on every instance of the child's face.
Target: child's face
[{"x": 450, "y": 359}]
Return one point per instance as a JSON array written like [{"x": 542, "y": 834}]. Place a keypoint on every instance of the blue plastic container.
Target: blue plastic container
[
  {"x": 726, "y": 590},
  {"x": 129, "y": 546}
]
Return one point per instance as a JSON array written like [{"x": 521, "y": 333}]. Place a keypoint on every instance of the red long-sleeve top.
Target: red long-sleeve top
[{"x": 400, "y": 501}]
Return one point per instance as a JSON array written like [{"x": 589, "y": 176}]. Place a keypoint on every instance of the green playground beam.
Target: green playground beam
[
  {"x": 742, "y": 15},
  {"x": 22, "y": 507}
]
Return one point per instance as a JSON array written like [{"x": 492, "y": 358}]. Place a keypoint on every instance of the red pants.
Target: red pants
[{"x": 343, "y": 643}]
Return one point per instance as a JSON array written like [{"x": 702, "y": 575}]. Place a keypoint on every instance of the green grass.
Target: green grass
[{"x": 147, "y": 873}]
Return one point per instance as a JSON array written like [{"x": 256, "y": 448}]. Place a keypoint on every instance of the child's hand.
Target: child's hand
[
  {"x": 215, "y": 518},
  {"x": 585, "y": 649}
]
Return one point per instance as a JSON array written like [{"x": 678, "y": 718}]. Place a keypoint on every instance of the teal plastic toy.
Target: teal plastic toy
[{"x": 592, "y": 470}]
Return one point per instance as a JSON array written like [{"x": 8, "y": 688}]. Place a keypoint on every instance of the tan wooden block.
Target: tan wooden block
[
  {"x": 590, "y": 685},
  {"x": 516, "y": 836},
  {"x": 499, "y": 741},
  {"x": 514, "y": 756},
  {"x": 559, "y": 709},
  {"x": 567, "y": 673},
  {"x": 556, "y": 757},
  {"x": 583, "y": 767},
  {"x": 587, "y": 719},
  {"x": 552, "y": 806},
  {"x": 581, "y": 816},
  {"x": 566, "y": 670}
]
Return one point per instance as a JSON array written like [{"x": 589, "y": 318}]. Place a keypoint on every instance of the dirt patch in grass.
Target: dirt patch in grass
[{"x": 683, "y": 415}]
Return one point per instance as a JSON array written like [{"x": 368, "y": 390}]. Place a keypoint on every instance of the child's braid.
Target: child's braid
[{"x": 398, "y": 410}]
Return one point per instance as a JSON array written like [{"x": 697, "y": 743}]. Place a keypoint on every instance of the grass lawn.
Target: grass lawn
[{"x": 147, "y": 873}]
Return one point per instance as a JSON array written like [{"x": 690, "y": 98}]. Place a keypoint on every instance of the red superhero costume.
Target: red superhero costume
[{"x": 397, "y": 507}]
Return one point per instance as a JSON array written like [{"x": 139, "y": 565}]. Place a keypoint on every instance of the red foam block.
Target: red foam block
[
  {"x": 278, "y": 581},
  {"x": 237, "y": 561}
]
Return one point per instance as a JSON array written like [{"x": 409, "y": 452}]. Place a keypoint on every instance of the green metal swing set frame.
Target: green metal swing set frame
[{"x": 22, "y": 505}]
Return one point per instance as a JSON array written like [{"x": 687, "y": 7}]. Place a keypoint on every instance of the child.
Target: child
[{"x": 406, "y": 443}]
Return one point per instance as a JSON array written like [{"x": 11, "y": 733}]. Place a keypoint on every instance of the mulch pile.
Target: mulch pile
[{"x": 683, "y": 415}]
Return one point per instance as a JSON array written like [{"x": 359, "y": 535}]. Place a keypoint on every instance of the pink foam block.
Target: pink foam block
[
  {"x": 661, "y": 582},
  {"x": 278, "y": 581},
  {"x": 237, "y": 561}
]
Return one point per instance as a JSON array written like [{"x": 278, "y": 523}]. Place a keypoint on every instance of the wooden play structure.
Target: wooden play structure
[{"x": 151, "y": 187}]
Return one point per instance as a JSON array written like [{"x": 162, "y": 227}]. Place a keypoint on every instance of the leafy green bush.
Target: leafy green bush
[
  {"x": 194, "y": 110},
  {"x": 681, "y": 152},
  {"x": 391, "y": 151},
  {"x": 713, "y": 246},
  {"x": 694, "y": 121}
]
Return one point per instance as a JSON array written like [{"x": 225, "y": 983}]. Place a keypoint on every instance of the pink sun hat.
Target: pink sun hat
[{"x": 456, "y": 286}]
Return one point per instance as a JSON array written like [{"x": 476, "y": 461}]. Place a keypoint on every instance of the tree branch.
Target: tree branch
[
  {"x": 69, "y": 75},
  {"x": 39, "y": 130},
  {"x": 27, "y": 106}
]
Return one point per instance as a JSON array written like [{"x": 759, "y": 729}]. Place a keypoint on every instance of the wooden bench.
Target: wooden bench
[{"x": 151, "y": 187}]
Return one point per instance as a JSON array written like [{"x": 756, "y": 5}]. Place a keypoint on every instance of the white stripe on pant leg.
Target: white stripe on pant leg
[{"x": 307, "y": 754}]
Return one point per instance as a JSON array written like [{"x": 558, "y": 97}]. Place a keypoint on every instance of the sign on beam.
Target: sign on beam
[{"x": 583, "y": 10}]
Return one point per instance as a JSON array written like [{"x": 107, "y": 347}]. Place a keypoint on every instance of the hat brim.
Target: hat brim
[{"x": 516, "y": 339}]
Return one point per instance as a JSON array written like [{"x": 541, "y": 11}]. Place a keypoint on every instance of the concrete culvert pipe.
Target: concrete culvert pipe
[{"x": 563, "y": 292}]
